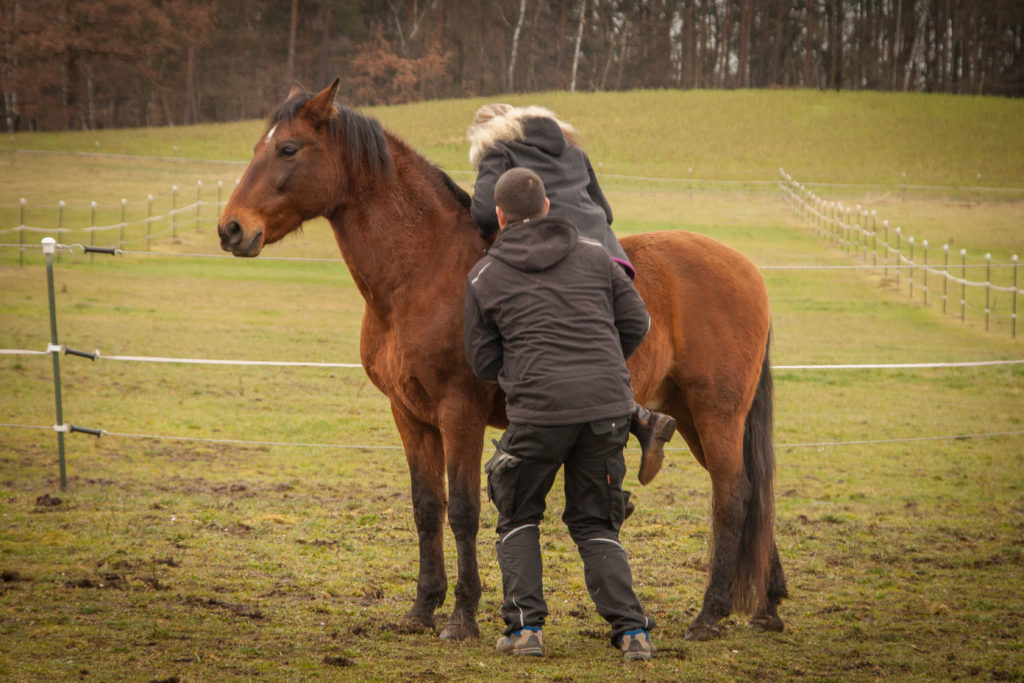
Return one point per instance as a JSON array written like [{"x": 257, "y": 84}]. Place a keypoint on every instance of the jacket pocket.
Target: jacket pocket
[{"x": 502, "y": 474}]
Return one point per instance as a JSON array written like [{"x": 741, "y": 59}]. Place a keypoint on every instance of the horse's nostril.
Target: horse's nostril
[{"x": 230, "y": 233}]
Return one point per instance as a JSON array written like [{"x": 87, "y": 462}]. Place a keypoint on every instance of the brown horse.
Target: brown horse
[{"x": 406, "y": 235}]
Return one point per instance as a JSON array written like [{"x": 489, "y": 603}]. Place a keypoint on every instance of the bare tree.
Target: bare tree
[
  {"x": 579, "y": 41},
  {"x": 515, "y": 46}
]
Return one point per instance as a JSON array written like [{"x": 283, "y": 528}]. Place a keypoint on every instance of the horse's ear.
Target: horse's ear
[
  {"x": 295, "y": 90},
  {"x": 323, "y": 104}
]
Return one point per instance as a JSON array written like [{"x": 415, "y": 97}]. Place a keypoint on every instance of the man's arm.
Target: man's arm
[
  {"x": 484, "y": 349},
  {"x": 631, "y": 317}
]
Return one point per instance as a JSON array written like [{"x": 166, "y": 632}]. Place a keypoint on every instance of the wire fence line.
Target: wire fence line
[
  {"x": 173, "y": 217},
  {"x": 117, "y": 225},
  {"x": 385, "y": 447},
  {"x": 96, "y": 355},
  {"x": 857, "y": 231}
]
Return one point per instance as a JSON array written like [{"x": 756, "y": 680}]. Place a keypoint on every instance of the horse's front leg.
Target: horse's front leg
[
  {"x": 425, "y": 455},
  {"x": 462, "y": 430}
]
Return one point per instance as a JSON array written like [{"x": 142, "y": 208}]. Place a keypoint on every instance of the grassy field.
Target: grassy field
[{"x": 267, "y": 534}]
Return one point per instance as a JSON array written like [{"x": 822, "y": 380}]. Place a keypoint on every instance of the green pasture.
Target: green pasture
[{"x": 240, "y": 523}]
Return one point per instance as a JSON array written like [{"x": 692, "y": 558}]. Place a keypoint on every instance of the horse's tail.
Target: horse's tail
[{"x": 758, "y": 539}]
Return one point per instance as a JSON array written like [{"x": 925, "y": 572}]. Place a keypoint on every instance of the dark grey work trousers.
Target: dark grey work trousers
[{"x": 594, "y": 510}]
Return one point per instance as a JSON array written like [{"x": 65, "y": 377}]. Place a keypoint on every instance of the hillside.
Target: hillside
[{"x": 844, "y": 137}]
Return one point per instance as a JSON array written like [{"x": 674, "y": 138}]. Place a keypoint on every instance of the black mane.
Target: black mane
[{"x": 461, "y": 196}]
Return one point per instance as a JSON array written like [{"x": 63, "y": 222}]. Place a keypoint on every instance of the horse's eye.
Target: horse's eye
[{"x": 288, "y": 151}]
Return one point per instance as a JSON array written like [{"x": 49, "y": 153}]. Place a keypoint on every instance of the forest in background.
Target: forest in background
[{"x": 87, "y": 64}]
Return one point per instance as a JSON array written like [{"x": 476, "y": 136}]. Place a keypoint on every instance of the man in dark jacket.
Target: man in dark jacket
[
  {"x": 504, "y": 137},
  {"x": 551, "y": 319}
]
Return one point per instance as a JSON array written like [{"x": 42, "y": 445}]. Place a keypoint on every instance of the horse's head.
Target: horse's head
[{"x": 293, "y": 175}]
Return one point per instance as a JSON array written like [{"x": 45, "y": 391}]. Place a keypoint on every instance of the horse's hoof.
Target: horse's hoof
[
  {"x": 702, "y": 632},
  {"x": 767, "y": 623},
  {"x": 414, "y": 622},
  {"x": 460, "y": 632}
]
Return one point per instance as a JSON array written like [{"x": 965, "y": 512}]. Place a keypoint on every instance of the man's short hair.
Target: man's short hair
[{"x": 519, "y": 193}]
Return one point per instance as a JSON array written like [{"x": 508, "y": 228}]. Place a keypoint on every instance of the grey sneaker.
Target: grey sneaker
[
  {"x": 637, "y": 645},
  {"x": 525, "y": 641}
]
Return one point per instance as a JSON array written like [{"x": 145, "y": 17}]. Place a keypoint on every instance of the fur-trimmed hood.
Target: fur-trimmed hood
[{"x": 506, "y": 124}]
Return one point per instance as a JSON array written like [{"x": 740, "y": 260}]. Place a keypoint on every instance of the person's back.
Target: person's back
[
  {"x": 551, "y": 319},
  {"x": 503, "y": 137},
  {"x": 534, "y": 138},
  {"x": 564, "y": 310}
]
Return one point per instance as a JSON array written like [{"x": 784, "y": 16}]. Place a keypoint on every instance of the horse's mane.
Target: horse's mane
[
  {"x": 366, "y": 141},
  {"x": 460, "y": 195},
  {"x": 364, "y": 136}
]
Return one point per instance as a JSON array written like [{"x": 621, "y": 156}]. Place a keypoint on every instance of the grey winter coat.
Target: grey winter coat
[
  {"x": 551, "y": 319},
  {"x": 565, "y": 169}
]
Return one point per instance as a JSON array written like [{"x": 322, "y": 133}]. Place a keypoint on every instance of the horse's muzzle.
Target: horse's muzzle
[{"x": 232, "y": 238}]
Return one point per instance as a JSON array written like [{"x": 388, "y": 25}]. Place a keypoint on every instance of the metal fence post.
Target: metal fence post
[
  {"x": 92, "y": 233},
  {"x": 885, "y": 252},
  {"x": 911, "y": 261},
  {"x": 988, "y": 286},
  {"x": 199, "y": 188},
  {"x": 899, "y": 257},
  {"x": 924, "y": 287},
  {"x": 174, "y": 212},
  {"x": 945, "y": 275},
  {"x": 1016, "y": 293},
  {"x": 874, "y": 238},
  {"x": 50, "y": 246},
  {"x": 963, "y": 283},
  {"x": 21, "y": 233},
  {"x": 124, "y": 205},
  {"x": 149, "y": 218},
  {"x": 864, "y": 234},
  {"x": 60, "y": 222}
]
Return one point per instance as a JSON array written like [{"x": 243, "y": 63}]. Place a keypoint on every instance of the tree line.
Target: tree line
[{"x": 82, "y": 64}]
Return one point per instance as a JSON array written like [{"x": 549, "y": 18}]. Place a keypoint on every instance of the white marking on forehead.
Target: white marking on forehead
[{"x": 270, "y": 134}]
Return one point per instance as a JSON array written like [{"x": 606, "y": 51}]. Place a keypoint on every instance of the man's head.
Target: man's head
[{"x": 519, "y": 195}]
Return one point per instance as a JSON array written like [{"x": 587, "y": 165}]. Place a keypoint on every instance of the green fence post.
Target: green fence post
[
  {"x": 149, "y": 219},
  {"x": 50, "y": 246},
  {"x": 174, "y": 212}
]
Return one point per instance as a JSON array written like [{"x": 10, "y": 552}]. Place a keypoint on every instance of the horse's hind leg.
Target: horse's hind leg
[
  {"x": 425, "y": 456},
  {"x": 767, "y": 617},
  {"x": 731, "y": 492}
]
